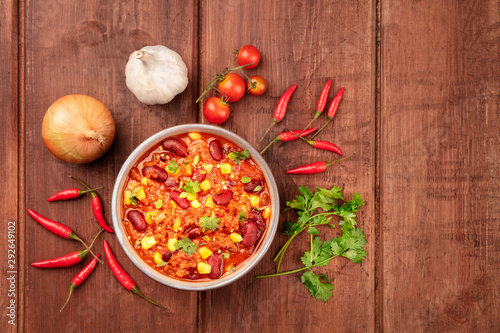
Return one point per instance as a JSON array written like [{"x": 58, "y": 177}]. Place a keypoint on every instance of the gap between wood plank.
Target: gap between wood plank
[{"x": 379, "y": 327}]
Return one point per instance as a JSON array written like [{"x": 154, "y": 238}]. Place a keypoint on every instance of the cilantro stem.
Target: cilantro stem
[
  {"x": 312, "y": 248},
  {"x": 281, "y": 253},
  {"x": 296, "y": 270}
]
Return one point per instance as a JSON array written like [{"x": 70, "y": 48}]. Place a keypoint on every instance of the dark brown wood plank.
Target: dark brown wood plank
[
  {"x": 82, "y": 47},
  {"x": 10, "y": 247},
  {"x": 440, "y": 152},
  {"x": 307, "y": 44}
]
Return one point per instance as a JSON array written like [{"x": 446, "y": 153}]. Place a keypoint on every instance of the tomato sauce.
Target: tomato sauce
[{"x": 195, "y": 206}]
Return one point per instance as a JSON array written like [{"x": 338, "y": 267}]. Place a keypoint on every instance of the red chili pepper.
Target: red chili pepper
[
  {"x": 321, "y": 102},
  {"x": 289, "y": 136},
  {"x": 332, "y": 111},
  {"x": 323, "y": 145},
  {"x": 316, "y": 167},
  {"x": 122, "y": 276},
  {"x": 280, "y": 110},
  {"x": 66, "y": 260},
  {"x": 56, "y": 228},
  {"x": 81, "y": 277},
  {"x": 96, "y": 208},
  {"x": 71, "y": 193}
]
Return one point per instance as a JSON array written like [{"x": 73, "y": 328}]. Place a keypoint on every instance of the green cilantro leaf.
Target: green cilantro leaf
[
  {"x": 173, "y": 167},
  {"x": 186, "y": 245},
  {"x": 317, "y": 285},
  {"x": 242, "y": 216},
  {"x": 312, "y": 231},
  {"x": 191, "y": 187},
  {"x": 161, "y": 264},
  {"x": 236, "y": 156},
  {"x": 211, "y": 222},
  {"x": 133, "y": 198},
  {"x": 246, "y": 180},
  {"x": 257, "y": 188},
  {"x": 158, "y": 203}
]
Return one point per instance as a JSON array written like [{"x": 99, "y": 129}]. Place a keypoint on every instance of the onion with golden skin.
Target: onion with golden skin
[{"x": 78, "y": 129}]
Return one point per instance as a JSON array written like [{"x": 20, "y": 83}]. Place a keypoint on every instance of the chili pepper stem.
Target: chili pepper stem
[
  {"x": 315, "y": 117},
  {"x": 92, "y": 189},
  {"x": 269, "y": 128},
  {"x": 269, "y": 145},
  {"x": 340, "y": 159},
  {"x": 71, "y": 288},
  {"x": 92, "y": 244},
  {"x": 86, "y": 186},
  {"x": 136, "y": 291},
  {"x": 327, "y": 122}
]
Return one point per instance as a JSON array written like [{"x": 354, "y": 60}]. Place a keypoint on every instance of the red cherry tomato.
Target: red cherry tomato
[
  {"x": 257, "y": 85},
  {"x": 248, "y": 54},
  {"x": 233, "y": 86},
  {"x": 215, "y": 110}
]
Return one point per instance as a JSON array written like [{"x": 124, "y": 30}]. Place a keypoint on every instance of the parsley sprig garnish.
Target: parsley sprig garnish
[
  {"x": 186, "y": 245},
  {"x": 237, "y": 156},
  {"x": 348, "y": 244},
  {"x": 209, "y": 222},
  {"x": 191, "y": 187}
]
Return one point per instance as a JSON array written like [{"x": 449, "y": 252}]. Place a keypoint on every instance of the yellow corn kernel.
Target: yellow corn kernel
[
  {"x": 148, "y": 242},
  {"x": 225, "y": 168},
  {"x": 236, "y": 237},
  {"x": 204, "y": 252},
  {"x": 140, "y": 194},
  {"x": 209, "y": 202},
  {"x": 157, "y": 257},
  {"x": 266, "y": 212},
  {"x": 207, "y": 167},
  {"x": 191, "y": 196},
  {"x": 205, "y": 185},
  {"x": 206, "y": 238},
  {"x": 171, "y": 244},
  {"x": 144, "y": 181},
  {"x": 195, "y": 203},
  {"x": 194, "y": 136},
  {"x": 188, "y": 170},
  {"x": 204, "y": 268},
  {"x": 177, "y": 224},
  {"x": 150, "y": 217},
  {"x": 174, "y": 205},
  {"x": 126, "y": 197},
  {"x": 196, "y": 159},
  {"x": 254, "y": 200}
]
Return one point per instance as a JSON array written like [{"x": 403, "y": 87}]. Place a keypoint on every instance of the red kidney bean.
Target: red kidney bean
[
  {"x": 216, "y": 262},
  {"x": 167, "y": 255},
  {"x": 250, "y": 187},
  {"x": 183, "y": 202},
  {"x": 137, "y": 219},
  {"x": 215, "y": 150},
  {"x": 175, "y": 146},
  {"x": 155, "y": 172},
  {"x": 250, "y": 234},
  {"x": 171, "y": 184},
  {"x": 256, "y": 216},
  {"x": 193, "y": 232},
  {"x": 199, "y": 175},
  {"x": 223, "y": 198}
]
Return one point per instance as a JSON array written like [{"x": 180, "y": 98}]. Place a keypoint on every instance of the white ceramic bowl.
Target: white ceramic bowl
[{"x": 244, "y": 268}]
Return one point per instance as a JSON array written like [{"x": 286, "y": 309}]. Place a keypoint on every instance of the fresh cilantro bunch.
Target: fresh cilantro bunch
[{"x": 316, "y": 209}]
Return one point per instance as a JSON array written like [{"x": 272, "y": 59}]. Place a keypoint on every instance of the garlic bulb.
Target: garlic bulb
[{"x": 155, "y": 74}]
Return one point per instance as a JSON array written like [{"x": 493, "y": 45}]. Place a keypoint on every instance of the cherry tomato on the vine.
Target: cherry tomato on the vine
[
  {"x": 216, "y": 110},
  {"x": 257, "y": 85},
  {"x": 233, "y": 86},
  {"x": 248, "y": 54}
]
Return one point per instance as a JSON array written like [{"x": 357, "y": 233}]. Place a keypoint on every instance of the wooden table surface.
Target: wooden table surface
[{"x": 420, "y": 110}]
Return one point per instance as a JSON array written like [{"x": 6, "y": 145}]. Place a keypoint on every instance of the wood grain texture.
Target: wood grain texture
[
  {"x": 82, "y": 47},
  {"x": 9, "y": 222},
  {"x": 306, "y": 44},
  {"x": 440, "y": 152}
]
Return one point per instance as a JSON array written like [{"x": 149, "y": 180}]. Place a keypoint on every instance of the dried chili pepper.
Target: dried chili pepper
[
  {"x": 71, "y": 193},
  {"x": 81, "y": 277},
  {"x": 321, "y": 102},
  {"x": 96, "y": 208},
  {"x": 66, "y": 260},
  {"x": 56, "y": 228},
  {"x": 122, "y": 276},
  {"x": 332, "y": 110},
  {"x": 316, "y": 167},
  {"x": 280, "y": 110},
  {"x": 289, "y": 136}
]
